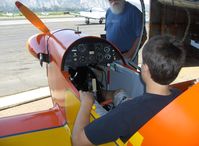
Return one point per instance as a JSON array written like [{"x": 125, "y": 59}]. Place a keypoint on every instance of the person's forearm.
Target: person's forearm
[
  {"x": 82, "y": 120},
  {"x": 133, "y": 49}
]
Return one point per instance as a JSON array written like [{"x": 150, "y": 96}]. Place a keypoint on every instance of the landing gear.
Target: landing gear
[
  {"x": 100, "y": 21},
  {"x": 87, "y": 21}
]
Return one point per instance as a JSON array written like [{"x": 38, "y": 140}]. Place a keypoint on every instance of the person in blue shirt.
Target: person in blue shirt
[
  {"x": 163, "y": 58},
  {"x": 123, "y": 26}
]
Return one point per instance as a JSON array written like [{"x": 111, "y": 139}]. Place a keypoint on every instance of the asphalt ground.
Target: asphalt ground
[{"x": 19, "y": 71}]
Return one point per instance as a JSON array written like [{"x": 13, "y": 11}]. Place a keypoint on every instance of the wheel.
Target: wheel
[
  {"x": 87, "y": 21},
  {"x": 100, "y": 21}
]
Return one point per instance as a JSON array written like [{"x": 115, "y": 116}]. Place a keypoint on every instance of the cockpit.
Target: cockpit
[{"x": 92, "y": 60}]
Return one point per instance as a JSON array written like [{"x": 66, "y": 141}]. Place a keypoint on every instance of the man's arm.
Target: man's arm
[
  {"x": 130, "y": 53},
  {"x": 79, "y": 137}
]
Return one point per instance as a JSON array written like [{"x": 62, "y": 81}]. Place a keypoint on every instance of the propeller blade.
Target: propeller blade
[{"x": 32, "y": 17}]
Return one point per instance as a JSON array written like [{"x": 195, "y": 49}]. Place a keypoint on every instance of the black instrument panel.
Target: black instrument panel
[{"x": 90, "y": 51}]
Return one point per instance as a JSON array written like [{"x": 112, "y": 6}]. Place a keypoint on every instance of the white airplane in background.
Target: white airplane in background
[{"x": 94, "y": 13}]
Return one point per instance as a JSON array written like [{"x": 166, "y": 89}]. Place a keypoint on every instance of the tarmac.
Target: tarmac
[{"x": 24, "y": 98}]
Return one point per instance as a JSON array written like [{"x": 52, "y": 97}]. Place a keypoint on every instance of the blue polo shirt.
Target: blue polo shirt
[{"x": 123, "y": 29}]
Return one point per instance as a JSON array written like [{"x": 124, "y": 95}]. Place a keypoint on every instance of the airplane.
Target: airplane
[
  {"x": 75, "y": 60},
  {"x": 95, "y": 14}
]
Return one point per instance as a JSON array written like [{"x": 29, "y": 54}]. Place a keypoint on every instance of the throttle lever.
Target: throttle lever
[{"x": 94, "y": 87}]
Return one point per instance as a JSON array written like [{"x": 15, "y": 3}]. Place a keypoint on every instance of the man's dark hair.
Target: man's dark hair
[{"x": 164, "y": 56}]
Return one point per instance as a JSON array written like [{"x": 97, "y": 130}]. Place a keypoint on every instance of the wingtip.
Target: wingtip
[{"x": 18, "y": 4}]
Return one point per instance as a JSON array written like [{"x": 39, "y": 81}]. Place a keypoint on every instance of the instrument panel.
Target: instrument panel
[{"x": 90, "y": 51}]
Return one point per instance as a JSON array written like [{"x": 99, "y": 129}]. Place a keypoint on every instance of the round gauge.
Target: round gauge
[
  {"x": 100, "y": 57},
  {"x": 82, "y": 59},
  {"x": 107, "y": 49},
  {"x": 92, "y": 58},
  {"x": 82, "y": 48},
  {"x": 98, "y": 47},
  {"x": 108, "y": 56}
]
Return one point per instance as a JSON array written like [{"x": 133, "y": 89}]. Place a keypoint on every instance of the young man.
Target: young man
[
  {"x": 123, "y": 26},
  {"x": 162, "y": 61}
]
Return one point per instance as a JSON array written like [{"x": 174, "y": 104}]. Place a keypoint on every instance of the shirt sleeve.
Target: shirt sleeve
[{"x": 107, "y": 128}]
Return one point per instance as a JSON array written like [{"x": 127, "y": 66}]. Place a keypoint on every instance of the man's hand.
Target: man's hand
[
  {"x": 127, "y": 55},
  {"x": 79, "y": 137},
  {"x": 131, "y": 51},
  {"x": 86, "y": 98}
]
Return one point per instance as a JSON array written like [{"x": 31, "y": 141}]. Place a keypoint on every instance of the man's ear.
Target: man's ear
[
  {"x": 145, "y": 70},
  {"x": 145, "y": 67}
]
